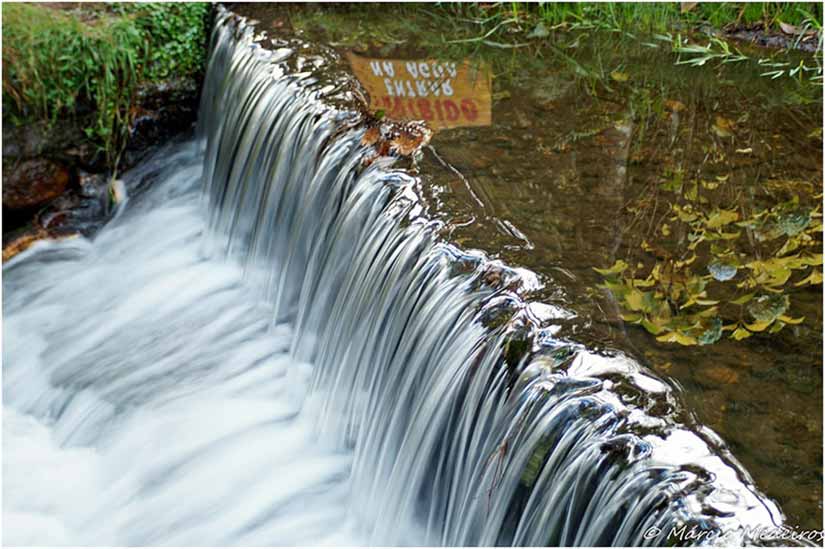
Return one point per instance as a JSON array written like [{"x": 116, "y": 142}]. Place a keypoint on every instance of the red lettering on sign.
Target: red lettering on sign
[
  {"x": 451, "y": 110},
  {"x": 468, "y": 107},
  {"x": 424, "y": 108}
]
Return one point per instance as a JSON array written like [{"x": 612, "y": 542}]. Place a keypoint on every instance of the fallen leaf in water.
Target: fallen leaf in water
[
  {"x": 674, "y": 106},
  {"x": 744, "y": 151},
  {"x": 814, "y": 278},
  {"x": 618, "y": 267},
  {"x": 722, "y": 271},
  {"x": 740, "y": 333},
  {"x": 720, "y": 218},
  {"x": 619, "y": 76},
  {"x": 677, "y": 337},
  {"x": 765, "y": 309},
  {"x": 723, "y": 127},
  {"x": 371, "y": 136}
]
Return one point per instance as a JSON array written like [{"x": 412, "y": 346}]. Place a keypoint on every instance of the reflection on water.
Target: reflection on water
[
  {"x": 586, "y": 126},
  {"x": 445, "y": 94}
]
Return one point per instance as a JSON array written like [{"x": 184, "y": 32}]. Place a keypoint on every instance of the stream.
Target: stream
[{"x": 272, "y": 343}]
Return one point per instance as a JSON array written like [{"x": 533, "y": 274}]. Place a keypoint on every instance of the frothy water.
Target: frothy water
[
  {"x": 272, "y": 346},
  {"x": 148, "y": 400}
]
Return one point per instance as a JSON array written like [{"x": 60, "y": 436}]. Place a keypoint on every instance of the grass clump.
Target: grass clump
[
  {"x": 60, "y": 63},
  {"x": 662, "y": 16}
]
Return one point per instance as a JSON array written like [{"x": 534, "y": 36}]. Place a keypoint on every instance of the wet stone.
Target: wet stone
[{"x": 33, "y": 183}]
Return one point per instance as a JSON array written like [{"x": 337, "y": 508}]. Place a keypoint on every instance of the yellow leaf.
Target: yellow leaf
[
  {"x": 651, "y": 327},
  {"x": 720, "y": 218},
  {"x": 635, "y": 300},
  {"x": 631, "y": 317},
  {"x": 757, "y": 326},
  {"x": 789, "y": 320},
  {"x": 744, "y": 299},
  {"x": 619, "y": 76},
  {"x": 814, "y": 278},
  {"x": 677, "y": 337},
  {"x": 740, "y": 333},
  {"x": 617, "y": 268}
]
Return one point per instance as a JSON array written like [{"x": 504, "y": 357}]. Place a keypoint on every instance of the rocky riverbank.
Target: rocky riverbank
[{"x": 66, "y": 135}]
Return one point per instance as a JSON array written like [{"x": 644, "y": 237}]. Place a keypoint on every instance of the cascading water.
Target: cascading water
[{"x": 291, "y": 355}]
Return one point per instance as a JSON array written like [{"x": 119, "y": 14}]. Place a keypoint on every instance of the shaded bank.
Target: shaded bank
[{"x": 87, "y": 90}]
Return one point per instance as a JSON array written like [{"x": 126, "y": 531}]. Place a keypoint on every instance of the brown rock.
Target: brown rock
[
  {"x": 34, "y": 183},
  {"x": 23, "y": 242}
]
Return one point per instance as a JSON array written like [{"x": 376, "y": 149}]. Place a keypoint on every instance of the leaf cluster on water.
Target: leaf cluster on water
[{"x": 718, "y": 270}]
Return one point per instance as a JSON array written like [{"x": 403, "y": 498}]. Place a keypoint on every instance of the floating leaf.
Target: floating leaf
[
  {"x": 814, "y": 278},
  {"x": 720, "y": 218},
  {"x": 789, "y": 320},
  {"x": 773, "y": 272},
  {"x": 792, "y": 244},
  {"x": 635, "y": 300},
  {"x": 722, "y": 271},
  {"x": 794, "y": 223},
  {"x": 618, "y": 267},
  {"x": 740, "y": 333},
  {"x": 767, "y": 308},
  {"x": 742, "y": 300},
  {"x": 758, "y": 326},
  {"x": 677, "y": 337},
  {"x": 651, "y": 326},
  {"x": 685, "y": 214},
  {"x": 712, "y": 334},
  {"x": 631, "y": 317}
]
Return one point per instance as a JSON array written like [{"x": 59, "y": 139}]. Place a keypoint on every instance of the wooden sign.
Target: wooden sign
[{"x": 445, "y": 94}]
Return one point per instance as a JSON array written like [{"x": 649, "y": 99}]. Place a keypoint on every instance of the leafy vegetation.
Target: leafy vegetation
[
  {"x": 719, "y": 269},
  {"x": 59, "y": 63}
]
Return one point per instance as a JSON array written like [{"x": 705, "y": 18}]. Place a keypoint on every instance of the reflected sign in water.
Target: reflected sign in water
[{"x": 446, "y": 94}]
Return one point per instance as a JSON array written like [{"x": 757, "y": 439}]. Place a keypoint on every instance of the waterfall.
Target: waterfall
[
  {"x": 464, "y": 414},
  {"x": 272, "y": 344}
]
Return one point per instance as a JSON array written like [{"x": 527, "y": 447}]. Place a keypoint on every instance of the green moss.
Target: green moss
[{"x": 60, "y": 62}]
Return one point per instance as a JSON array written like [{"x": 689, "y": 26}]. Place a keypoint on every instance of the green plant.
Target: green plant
[{"x": 60, "y": 62}]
